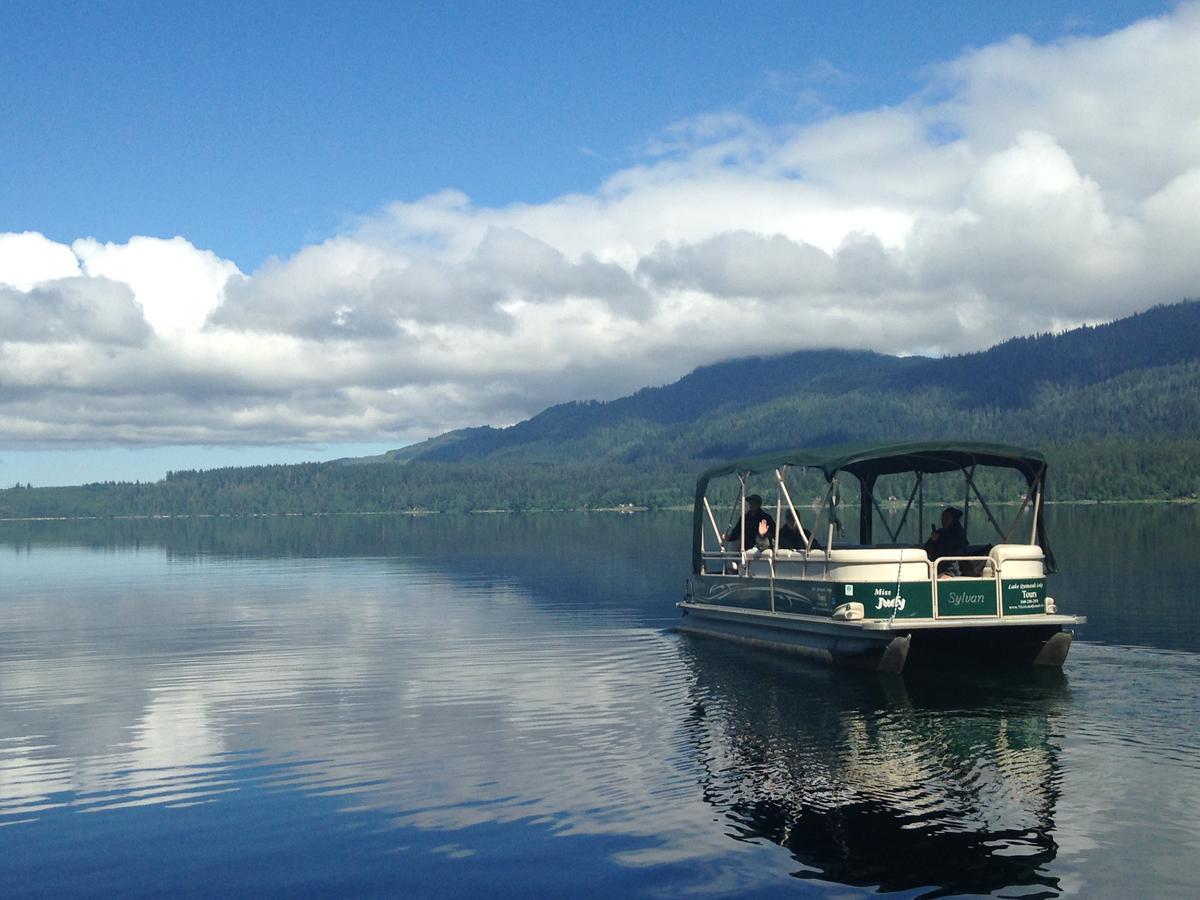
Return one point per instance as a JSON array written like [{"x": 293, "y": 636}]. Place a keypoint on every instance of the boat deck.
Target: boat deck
[{"x": 895, "y": 626}]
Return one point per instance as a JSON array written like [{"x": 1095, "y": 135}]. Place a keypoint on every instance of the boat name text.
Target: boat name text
[{"x": 960, "y": 598}]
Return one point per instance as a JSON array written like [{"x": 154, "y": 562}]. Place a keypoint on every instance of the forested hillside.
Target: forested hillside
[
  {"x": 1116, "y": 407},
  {"x": 1127, "y": 380}
]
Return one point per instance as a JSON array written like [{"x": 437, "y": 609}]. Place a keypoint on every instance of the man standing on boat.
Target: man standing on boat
[{"x": 759, "y": 527}]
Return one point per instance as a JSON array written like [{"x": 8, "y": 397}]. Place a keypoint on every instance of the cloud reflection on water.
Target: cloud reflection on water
[
  {"x": 390, "y": 685},
  {"x": 512, "y": 687}
]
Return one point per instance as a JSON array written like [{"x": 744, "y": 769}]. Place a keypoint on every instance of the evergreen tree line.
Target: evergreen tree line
[{"x": 1108, "y": 471}]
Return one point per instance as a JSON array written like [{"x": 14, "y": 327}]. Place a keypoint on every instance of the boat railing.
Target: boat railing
[
  {"x": 1002, "y": 561},
  {"x": 878, "y": 563},
  {"x": 976, "y": 566},
  {"x": 735, "y": 561},
  {"x": 997, "y": 575}
]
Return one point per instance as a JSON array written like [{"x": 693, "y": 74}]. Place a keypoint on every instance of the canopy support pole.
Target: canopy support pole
[
  {"x": 970, "y": 475},
  {"x": 983, "y": 503},
  {"x": 920, "y": 507},
  {"x": 737, "y": 503},
  {"x": 791, "y": 508},
  {"x": 712, "y": 520},
  {"x": 1032, "y": 486},
  {"x": 832, "y": 518},
  {"x": 742, "y": 520},
  {"x": 1037, "y": 509},
  {"x": 813, "y": 534},
  {"x": 882, "y": 518},
  {"x": 866, "y": 526},
  {"x": 1017, "y": 518},
  {"x": 911, "y": 496}
]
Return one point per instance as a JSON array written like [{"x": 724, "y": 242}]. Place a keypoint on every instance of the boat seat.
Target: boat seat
[
  {"x": 878, "y": 554},
  {"x": 1002, "y": 552},
  {"x": 1019, "y": 560},
  {"x": 785, "y": 553}
]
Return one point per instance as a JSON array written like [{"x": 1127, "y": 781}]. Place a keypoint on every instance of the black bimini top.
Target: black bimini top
[{"x": 867, "y": 462}]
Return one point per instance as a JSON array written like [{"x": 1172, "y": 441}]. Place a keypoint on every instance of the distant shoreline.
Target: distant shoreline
[{"x": 420, "y": 513}]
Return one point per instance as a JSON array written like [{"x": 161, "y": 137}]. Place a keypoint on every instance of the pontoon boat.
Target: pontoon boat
[{"x": 876, "y": 604}]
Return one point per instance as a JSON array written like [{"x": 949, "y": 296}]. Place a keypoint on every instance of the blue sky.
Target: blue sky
[
  {"x": 254, "y": 129},
  {"x": 329, "y": 137}
]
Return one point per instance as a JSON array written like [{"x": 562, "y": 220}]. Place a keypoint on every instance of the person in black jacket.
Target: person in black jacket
[
  {"x": 791, "y": 536},
  {"x": 951, "y": 538},
  {"x": 759, "y": 526}
]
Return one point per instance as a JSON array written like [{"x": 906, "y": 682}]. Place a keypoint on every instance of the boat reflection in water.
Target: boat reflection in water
[{"x": 946, "y": 783}]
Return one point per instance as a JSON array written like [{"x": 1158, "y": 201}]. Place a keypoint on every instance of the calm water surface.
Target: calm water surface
[{"x": 497, "y": 705}]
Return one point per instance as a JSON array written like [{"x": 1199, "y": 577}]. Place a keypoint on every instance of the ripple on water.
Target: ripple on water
[{"x": 426, "y": 701}]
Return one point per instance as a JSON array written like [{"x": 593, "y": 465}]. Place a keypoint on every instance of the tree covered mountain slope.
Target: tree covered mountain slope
[
  {"x": 1116, "y": 407},
  {"x": 1130, "y": 379}
]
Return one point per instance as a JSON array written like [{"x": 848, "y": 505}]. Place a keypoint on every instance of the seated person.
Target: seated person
[
  {"x": 759, "y": 526},
  {"x": 790, "y": 535},
  {"x": 950, "y": 539}
]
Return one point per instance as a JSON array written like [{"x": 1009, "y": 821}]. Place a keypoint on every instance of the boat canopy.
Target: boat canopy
[{"x": 867, "y": 462}]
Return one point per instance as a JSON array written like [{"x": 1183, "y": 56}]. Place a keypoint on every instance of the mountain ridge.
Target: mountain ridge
[
  {"x": 1000, "y": 382},
  {"x": 1115, "y": 407}
]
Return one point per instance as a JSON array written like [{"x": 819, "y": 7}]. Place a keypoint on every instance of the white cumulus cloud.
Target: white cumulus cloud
[
  {"x": 176, "y": 285},
  {"x": 1024, "y": 186},
  {"x": 29, "y": 258}
]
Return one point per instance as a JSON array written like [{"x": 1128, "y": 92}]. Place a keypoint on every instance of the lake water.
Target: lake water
[{"x": 496, "y": 705}]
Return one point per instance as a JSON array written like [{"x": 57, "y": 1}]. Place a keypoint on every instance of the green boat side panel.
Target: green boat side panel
[
  {"x": 880, "y": 601},
  {"x": 957, "y": 598},
  {"x": 1024, "y": 596},
  {"x": 789, "y": 596},
  {"x": 966, "y": 597}
]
